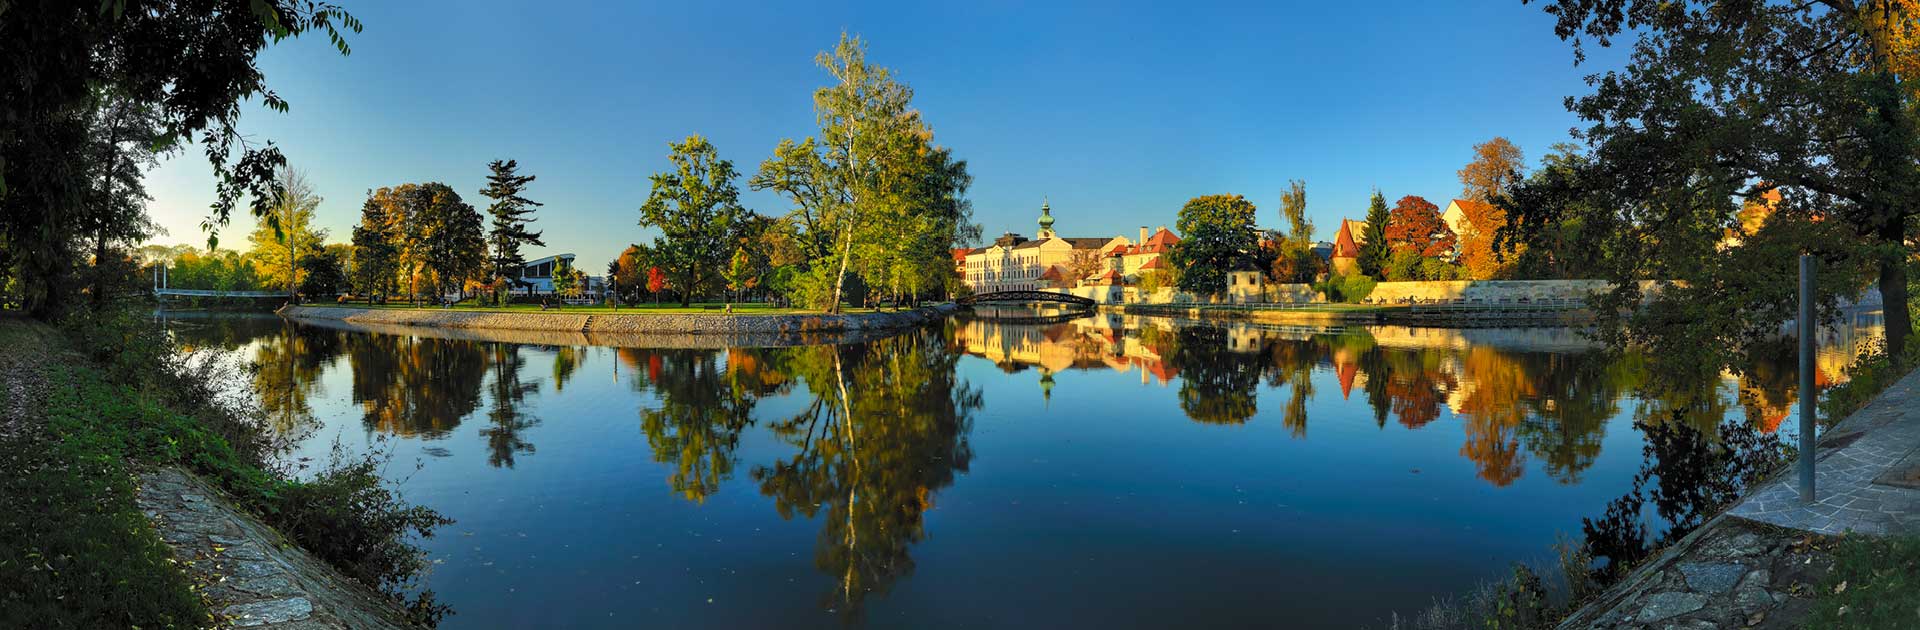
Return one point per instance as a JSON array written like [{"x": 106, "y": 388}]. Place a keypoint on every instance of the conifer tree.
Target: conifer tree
[
  {"x": 1373, "y": 253},
  {"x": 510, "y": 218}
]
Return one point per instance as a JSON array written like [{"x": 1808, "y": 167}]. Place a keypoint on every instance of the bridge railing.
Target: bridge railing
[{"x": 217, "y": 293}]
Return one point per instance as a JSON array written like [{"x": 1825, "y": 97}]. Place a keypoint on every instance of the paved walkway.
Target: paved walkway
[
  {"x": 1755, "y": 565},
  {"x": 252, "y": 577},
  {"x": 1864, "y": 477}
]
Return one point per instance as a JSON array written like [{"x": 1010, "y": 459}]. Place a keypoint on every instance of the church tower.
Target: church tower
[{"x": 1046, "y": 222}]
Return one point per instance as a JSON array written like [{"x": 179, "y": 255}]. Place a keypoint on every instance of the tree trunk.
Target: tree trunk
[
  {"x": 1893, "y": 297},
  {"x": 100, "y": 235},
  {"x": 846, "y": 254}
]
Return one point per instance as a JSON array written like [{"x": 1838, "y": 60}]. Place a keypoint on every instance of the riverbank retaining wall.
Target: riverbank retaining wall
[
  {"x": 1391, "y": 292},
  {"x": 642, "y": 323}
]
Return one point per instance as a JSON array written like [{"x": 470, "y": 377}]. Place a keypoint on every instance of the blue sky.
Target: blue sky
[{"x": 1116, "y": 112}]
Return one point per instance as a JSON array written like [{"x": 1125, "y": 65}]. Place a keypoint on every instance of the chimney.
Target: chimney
[{"x": 1143, "y": 236}]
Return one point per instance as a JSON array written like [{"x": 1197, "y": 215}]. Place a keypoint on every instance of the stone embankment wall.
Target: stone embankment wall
[
  {"x": 253, "y": 576},
  {"x": 1486, "y": 290},
  {"x": 1495, "y": 290},
  {"x": 637, "y": 323}
]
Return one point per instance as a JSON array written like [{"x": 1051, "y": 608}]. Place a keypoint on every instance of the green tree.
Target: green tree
[
  {"x": 1293, "y": 259},
  {"x": 375, "y": 254},
  {"x": 872, "y": 195},
  {"x": 1374, "y": 252},
  {"x": 190, "y": 63},
  {"x": 1293, "y": 209},
  {"x": 1814, "y": 100},
  {"x": 323, "y": 273},
  {"x": 741, "y": 274},
  {"x": 452, "y": 244},
  {"x": 510, "y": 218},
  {"x": 286, "y": 233},
  {"x": 694, "y": 206},
  {"x": 564, "y": 280},
  {"x": 122, "y": 134},
  {"x": 1218, "y": 230}
]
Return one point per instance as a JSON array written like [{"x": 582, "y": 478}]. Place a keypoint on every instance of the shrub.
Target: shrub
[
  {"x": 1438, "y": 269},
  {"x": 1872, "y": 372},
  {"x": 348, "y": 516},
  {"x": 1402, "y": 266},
  {"x": 1520, "y": 603},
  {"x": 157, "y": 404},
  {"x": 1346, "y": 288}
]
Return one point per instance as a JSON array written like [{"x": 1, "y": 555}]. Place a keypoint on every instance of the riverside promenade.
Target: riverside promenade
[{"x": 1757, "y": 564}]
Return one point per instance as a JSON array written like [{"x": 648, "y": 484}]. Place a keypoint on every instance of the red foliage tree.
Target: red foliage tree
[
  {"x": 1415, "y": 224},
  {"x": 656, "y": 280}
]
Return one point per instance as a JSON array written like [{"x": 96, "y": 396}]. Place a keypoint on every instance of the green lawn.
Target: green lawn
[
  {"x": 669, "y": 308},
  {"x": 1875, "y": 583}
]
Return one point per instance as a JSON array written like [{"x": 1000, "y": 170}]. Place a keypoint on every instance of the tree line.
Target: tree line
[
  {"x": 875, "y": 206},
  {"x": 95, "y": 94}
]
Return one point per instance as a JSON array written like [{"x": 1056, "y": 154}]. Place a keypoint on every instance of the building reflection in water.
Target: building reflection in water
[
  {"x": 868, "y": 434},
  {"x": 1541, "y": 394}
]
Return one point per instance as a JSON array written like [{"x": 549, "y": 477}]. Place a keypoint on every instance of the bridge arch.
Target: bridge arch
[{"x": 1026, "y": 296}]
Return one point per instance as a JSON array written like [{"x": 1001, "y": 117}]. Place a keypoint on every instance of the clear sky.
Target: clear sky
[{"x": 1116, "y": 112}]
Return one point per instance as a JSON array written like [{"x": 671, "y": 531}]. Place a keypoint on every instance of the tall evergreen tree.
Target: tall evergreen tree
[
  {"x": 1374, "y": 252},
  {"x": 510, "y": 218},
  {"x": 375, "y": 257}
]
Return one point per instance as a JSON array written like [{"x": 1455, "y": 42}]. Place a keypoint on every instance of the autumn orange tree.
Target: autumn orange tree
[
  {"x": 1496, "y": 166},
  {"x": 1415, "y": 225}
]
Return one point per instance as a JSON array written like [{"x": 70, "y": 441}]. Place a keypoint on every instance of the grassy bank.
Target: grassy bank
[
  {"x": 111, "y": 395},
  {"x": 74, "y": 550},
  {"x": 1875, "y": 583}
]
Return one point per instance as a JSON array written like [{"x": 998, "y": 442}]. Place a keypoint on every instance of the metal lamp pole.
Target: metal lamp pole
[{"x": 1807, "y": 447}]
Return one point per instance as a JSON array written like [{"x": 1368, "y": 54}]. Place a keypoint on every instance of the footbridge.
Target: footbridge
[{"x": 1026, "y": 297}]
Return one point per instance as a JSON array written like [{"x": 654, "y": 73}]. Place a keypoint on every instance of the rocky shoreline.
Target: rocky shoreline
[
  {"x": 623, "y": 323},
  {"x": 1755, "y": 565}
]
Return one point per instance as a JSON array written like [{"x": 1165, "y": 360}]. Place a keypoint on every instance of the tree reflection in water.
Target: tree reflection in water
[
  {"x": 1552, "y": 404},
  {"x": 507, "y": 418},
  {"x": 287, "y": 362},
  {"x": 416, "y": 386},
  {"x": 884, "y": 427}
]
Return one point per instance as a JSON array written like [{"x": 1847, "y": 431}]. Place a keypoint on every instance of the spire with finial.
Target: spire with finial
[{"x": 1046, "y": 219}]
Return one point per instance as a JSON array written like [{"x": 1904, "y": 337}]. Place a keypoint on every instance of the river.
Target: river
[{"x": 1107, "y": 471}]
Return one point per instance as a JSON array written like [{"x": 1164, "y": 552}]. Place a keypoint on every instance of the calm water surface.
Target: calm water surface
[{"x": 1102, "y": 472}]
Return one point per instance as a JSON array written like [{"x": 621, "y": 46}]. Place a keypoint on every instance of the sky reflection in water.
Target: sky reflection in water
[{"x": 1105, "y": 471}]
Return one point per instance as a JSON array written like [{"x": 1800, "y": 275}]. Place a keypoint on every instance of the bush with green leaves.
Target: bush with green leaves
[{"x": 149, "y": 402}]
